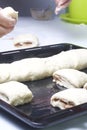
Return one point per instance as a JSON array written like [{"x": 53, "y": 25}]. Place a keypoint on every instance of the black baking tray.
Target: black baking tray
[{"x": 39, "y": 113}]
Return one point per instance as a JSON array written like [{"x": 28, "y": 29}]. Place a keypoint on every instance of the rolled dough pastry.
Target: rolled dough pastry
[
  {"x": 10, "y": 12},
  {"x": 70, "y": 78},
  {"x": 15, "y": 93},
  {"x": 75, "y": 59},
  {"x": 26, "y": 40},
  {"x": 4, "y": 72},
  {"x": 30, "y": 69},
  {"x": 69, "y": 98}
]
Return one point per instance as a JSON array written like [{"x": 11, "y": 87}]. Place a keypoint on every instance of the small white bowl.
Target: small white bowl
[{"x": 41, "y": 14}]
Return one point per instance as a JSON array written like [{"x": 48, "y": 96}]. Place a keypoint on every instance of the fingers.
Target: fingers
[
  {"x": 61, "y": 4},
  {"x": 7, "y": 22},
  {"x": 6, "y": 25},
  {"x": 4, "y": 31}
]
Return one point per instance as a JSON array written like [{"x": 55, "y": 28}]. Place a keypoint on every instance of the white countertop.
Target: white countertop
[{"x": 48, "y": 32}]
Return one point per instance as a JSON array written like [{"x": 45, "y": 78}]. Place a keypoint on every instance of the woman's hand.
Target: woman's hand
[
  {"x": 61, "y": 4},
  {"x": 7, "y": 24}
]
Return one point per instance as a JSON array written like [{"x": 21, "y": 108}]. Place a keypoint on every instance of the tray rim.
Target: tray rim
[
  {"x": 19, "y": 115},
  {"x": 39, "y": 48}
]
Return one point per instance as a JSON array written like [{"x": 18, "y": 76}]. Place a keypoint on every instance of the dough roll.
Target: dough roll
[
  {"x": 69, "y": 98},
  {"x": 30, "y": 69},
  {"x": 70, "y": 78},
  {"x": 15, "y": 93},
  {"x": 26, "y": 40},
  {"x": 10, "y": 12},
  {"x": 75, "y": 59}
]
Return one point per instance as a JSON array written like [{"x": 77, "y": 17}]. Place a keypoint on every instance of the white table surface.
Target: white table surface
[{"x": 49, "y": 32}]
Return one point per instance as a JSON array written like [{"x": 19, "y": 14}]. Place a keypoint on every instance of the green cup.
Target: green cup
[{"x": 78, "y": 9}]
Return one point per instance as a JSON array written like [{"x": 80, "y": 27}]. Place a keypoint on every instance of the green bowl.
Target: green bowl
[{"x": 78, "y": 9}]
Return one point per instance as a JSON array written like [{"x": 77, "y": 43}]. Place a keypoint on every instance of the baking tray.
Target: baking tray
[{"x": 39, "y": 113}]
